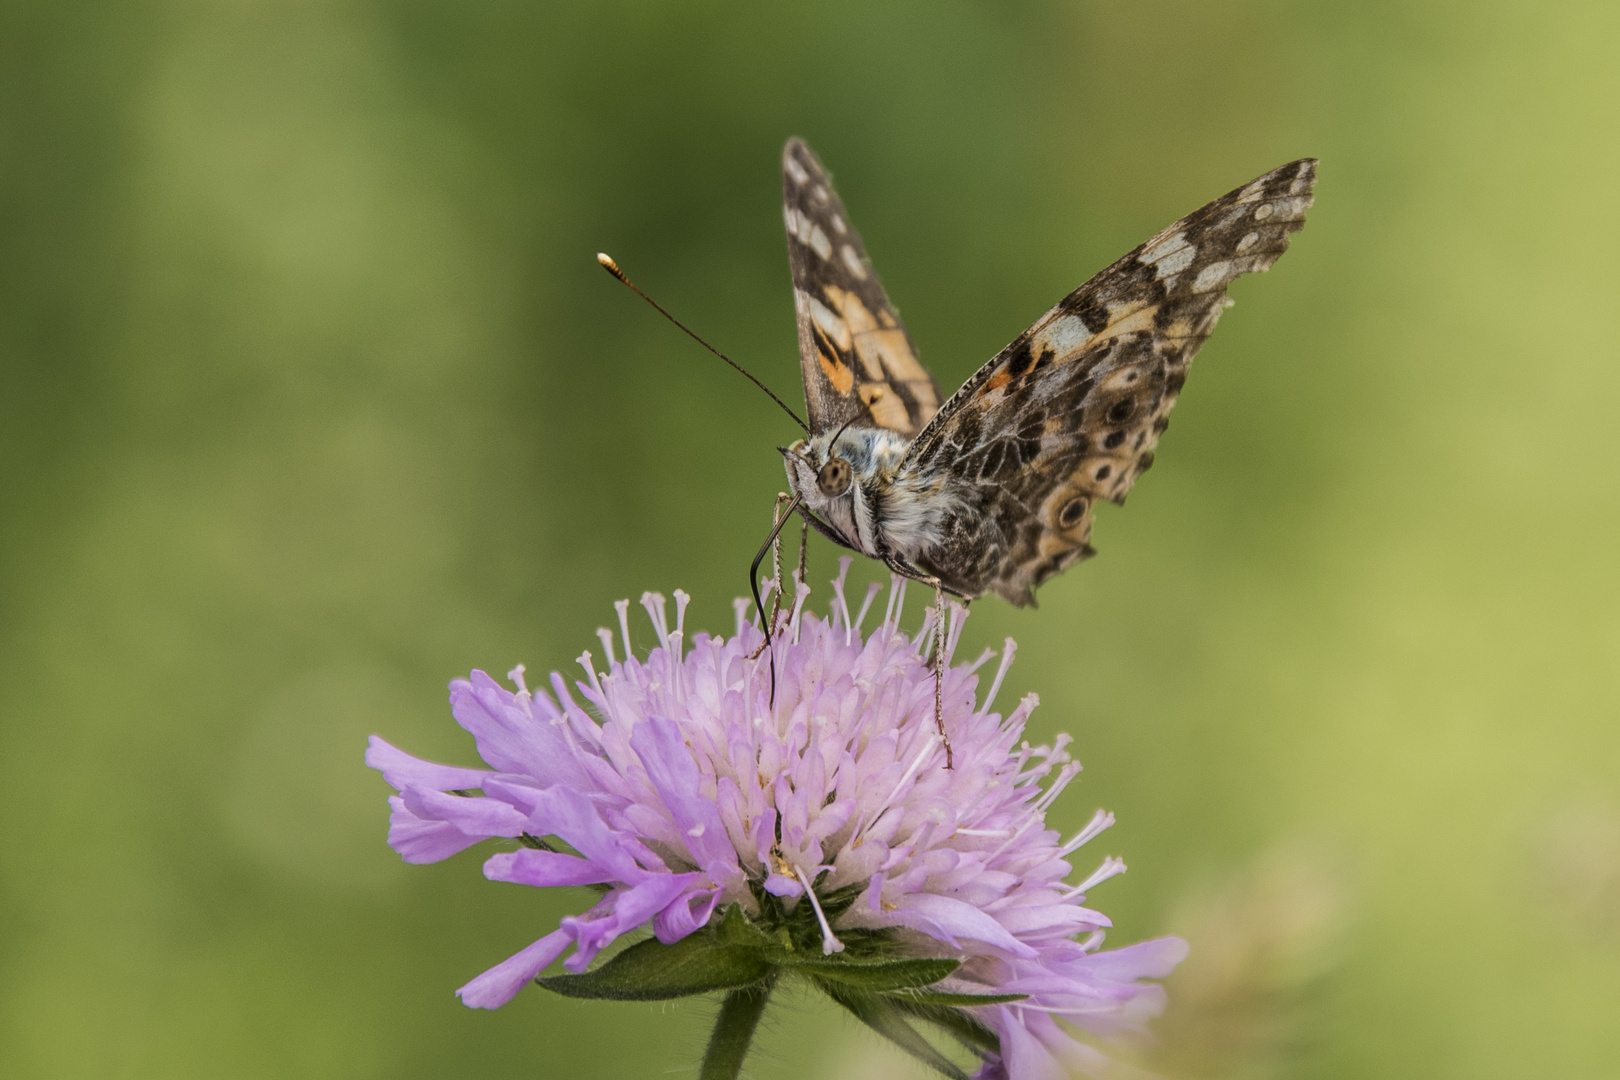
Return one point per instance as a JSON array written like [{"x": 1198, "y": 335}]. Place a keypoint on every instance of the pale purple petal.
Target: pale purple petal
[
  {"x": 510, "y": 736},
  {"x": 544, "y": 868},
  {"x": 1026, "y": 1056},
  {"x": 959, "y": 920},
  {"x": 563, "y": 812},
  {"x": 501, "y": 983},
  {"x": 401, "y": 770},
  {"x": 631, "y": 908},
  {"x": 419, "y": 840},
  {"x": 1145, "y": 960},
  {"x": 675, "y": 775},
  {"x": 684, "y": 915},
  {"x": 472, "y": 815}
]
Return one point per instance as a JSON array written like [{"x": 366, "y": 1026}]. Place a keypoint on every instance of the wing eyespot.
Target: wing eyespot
[
  {"x": 1072, "y": 512},
  {"x": 1121, "y": 411},
  {"x": 1114, "y": 439}
]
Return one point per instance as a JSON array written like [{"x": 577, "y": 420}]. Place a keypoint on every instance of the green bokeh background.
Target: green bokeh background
[{"x": 312, "y": 398}]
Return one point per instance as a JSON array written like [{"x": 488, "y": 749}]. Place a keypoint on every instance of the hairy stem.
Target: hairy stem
[{"x": 734, "y": 1031}]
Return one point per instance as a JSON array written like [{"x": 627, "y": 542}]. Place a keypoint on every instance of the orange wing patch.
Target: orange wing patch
[{"x": 837, "y": 372}]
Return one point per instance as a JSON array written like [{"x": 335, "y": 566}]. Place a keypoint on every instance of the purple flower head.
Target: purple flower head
[{"x": 694, "y": 803}]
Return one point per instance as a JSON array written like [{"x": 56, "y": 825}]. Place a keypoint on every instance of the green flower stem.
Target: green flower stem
[{"x": 734, "y": 1030}]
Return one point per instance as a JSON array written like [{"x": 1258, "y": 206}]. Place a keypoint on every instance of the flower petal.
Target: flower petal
[
  {"x": 631, "y": 908},
  {"x": 544, "y": 869},
  {"x": 509, "y": 734},
  {"x": 562, "y": 811},
  {"x": 501, "y": 983},
  {"x": 668, "y": 761},
  {"x": 422, "y": 840},
  {"x": 474, "y": 816},
  {"x": 1145, "y": 960},
  {"x": 684, "y": 915},
  {"x": 1026, "y": 1056},
  {"x": 401, "y": 770},
  {"x": 956, "y": 919}
]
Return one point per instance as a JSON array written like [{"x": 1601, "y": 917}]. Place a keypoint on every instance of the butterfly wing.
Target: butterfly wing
[
  {"x": 1071, "y": 411},
  {"x": 859, "y": 365}
]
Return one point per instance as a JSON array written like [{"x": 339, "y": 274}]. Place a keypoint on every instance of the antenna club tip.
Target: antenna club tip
[{"x": 607, "y": 262}]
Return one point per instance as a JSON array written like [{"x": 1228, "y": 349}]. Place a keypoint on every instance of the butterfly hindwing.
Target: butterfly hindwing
[
  {"x": 858, "y": 362},
  {"x": 1070, "y": 413}
]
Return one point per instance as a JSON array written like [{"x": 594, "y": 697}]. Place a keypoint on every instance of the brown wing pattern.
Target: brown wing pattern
[
  {"x": 857, "y": 360},
  {"x": 1071, "y": 411}
]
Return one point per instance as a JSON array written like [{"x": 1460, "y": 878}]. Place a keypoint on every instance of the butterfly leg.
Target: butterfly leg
[
  {"x": 804, "y": 551},
  {"x": 939, "y": 665}
]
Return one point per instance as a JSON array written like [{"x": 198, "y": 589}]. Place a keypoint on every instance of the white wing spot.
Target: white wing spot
[
  {"x": 833, "y": 326},
  {"x": 1247, "y": 242},
  {"x": 818, "y": 241},
  {"x": 1212, "y": 275},
  {"x": 838, "y": 225},
  {"x": 819, "y": 193},
  {"x": 1169, "y": 256},
  {"x": 795, "y": 170},
  {"x": 1176, "y": 261},
  {"x": 791, "y": 219},
  {"x": 852, "y": 261},
  {"x": 1062, "y": 336},
  {"x": 1262, "y": 212},
  {"x": 1291, "y": 209}
]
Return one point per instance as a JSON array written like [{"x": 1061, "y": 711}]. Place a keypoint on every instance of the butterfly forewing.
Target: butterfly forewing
[
  {"x": 1071, "y": 411},
  {"x": 858, "y": 362}
]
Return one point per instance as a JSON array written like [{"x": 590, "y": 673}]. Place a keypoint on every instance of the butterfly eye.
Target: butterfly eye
[{"x": 834, "y": 477}]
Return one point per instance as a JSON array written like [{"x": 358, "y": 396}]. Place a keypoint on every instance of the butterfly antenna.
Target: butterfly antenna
[{"x": 613, "y": 268}]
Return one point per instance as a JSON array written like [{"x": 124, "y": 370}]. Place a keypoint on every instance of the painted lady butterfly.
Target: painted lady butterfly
[{"x": 993, "y": 490}]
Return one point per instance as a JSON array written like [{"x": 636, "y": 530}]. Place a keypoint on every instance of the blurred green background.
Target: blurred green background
[{"x": 314, "y": 398}]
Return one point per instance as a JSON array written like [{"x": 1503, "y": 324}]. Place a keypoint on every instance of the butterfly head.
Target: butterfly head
[{"x": 832, "y": 470}]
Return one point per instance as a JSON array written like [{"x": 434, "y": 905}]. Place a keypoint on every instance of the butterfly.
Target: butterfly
[{"x": 992, "y": 491}]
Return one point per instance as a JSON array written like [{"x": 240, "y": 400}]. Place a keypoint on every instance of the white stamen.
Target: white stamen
[
  {"x": 1111, "y": 867},
  {"x": 605, "y": 636},
  {"x": 829, "y": 943},
  {"x": 911, "y": 770},
  {"x": 516, "y": 675},
  {"x": 801, "y": 593},
  {"x": 681, "y": 600},
  {"x": 838, "y": 591},
  {"x": 872, "y": 590},
  {"x": 653, "y": 603},
  {"x": 585, "y": 661},
  {"x": 1008, "y": 649},
  {"x": 1064, "y": 775},
  {"x": 623, "y": 608},
  {"x": 983, "y": 832},
  {"x": 955, "y": 625},
  {"x": 925, "y": 633},
  {"x": 1101, "y": 820},
  {"x": 1005, "y": 844}
]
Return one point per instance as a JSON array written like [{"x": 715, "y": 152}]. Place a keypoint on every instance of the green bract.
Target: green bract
[{"x": 746, "y": 957}]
